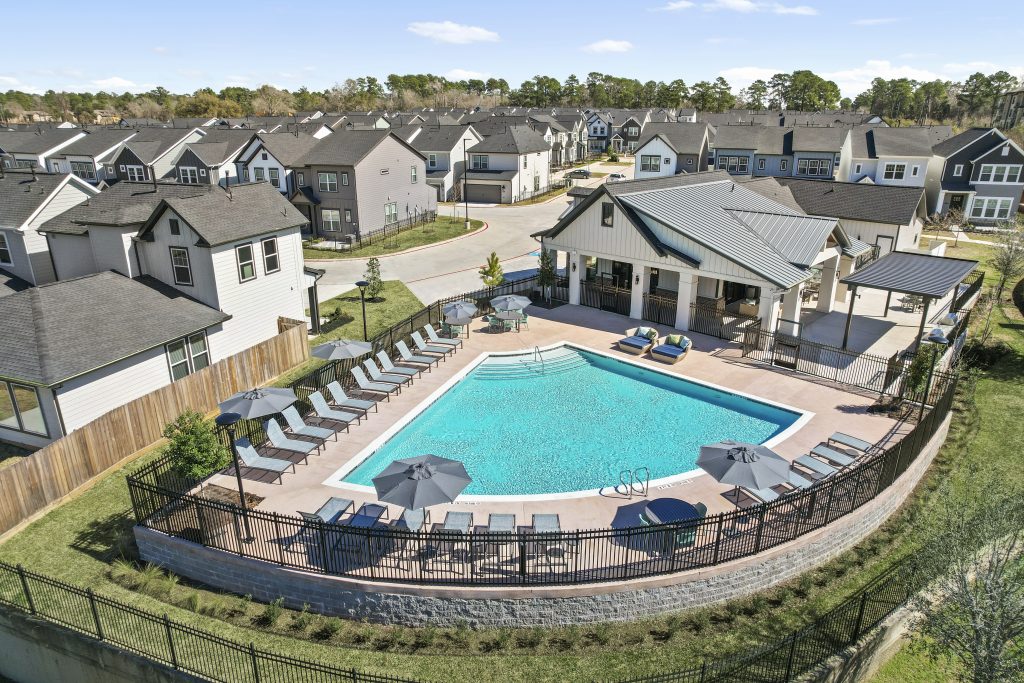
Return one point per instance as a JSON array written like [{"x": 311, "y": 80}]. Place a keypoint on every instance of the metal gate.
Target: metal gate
[
  {"x": 605, "y": 297},
  {"x": 659, "y": 309}
]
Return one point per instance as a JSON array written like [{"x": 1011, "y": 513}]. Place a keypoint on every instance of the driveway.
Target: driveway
[{"x": 442, "y": 270}]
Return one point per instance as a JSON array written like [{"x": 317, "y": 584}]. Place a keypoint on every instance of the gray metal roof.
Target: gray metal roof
[
  {"x": 907, "y": 273},
  {"x": 798, "y": 238},
  {"x": 856, "y": 201},
  {"x": 62, "y": 330}
]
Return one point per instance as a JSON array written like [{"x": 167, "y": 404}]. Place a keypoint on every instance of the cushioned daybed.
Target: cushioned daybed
[
  {"x": 674, "y": 349},
  {"x": 640, "y": 342}
]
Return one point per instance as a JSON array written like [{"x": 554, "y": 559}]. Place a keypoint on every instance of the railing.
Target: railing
[
  {"x": 364, "y": 239},
  {"x": 526, "y": 195},
  {"x": 867, "y": 258},
  {"x": 605, "y": 296},
  {"x": 972, "y": 284},
  {"x": 397, "y": 555},
  {"x": 660, "y": 309},
  {"x": 715, "y": 321}
]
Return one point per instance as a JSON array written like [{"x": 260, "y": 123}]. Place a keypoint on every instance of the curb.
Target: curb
[{"x": 407, "y": 251}]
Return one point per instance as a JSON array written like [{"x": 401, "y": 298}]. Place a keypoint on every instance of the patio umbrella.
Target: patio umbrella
[
  {"x": 459, "y": 310},
  {"x": 415, "y": 483},
  {"x": 341, "y": 349},
  {"x": 510, "y": 302},
  {"x": 743, "y": 464},
  {"x": 259, "y": 402}
]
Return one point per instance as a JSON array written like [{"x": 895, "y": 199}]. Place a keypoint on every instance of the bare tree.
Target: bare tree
[
  {"x": 1008, "y": 260},
  {"x": 973, "y": 614}
]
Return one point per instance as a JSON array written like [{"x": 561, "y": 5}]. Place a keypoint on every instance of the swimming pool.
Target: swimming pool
[{"x": 569, "y": 421}]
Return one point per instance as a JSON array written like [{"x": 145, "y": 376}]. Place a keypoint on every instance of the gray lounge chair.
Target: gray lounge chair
[
  {"x": 409, "y": 357},
  {"x": 424, "y": 347},
  {"x": 435, "y": 338},
  {"x": 253, "y": 460},
  {"x": 341, "y": 399},
  {"x": 767, "y": 495},
  {"x": 816, "y": 466},
  {"x": 387, "y": 366},
  {"x": 281, "y": 442},
  {"x": 325, "y": 412},
  {"x": 851, "y": 442},
  {"x": 377, "y": 376},
  {"x": 329, "y": 513},
  {"x": 833, "y": 456},
  {"x": 374, "y": 387},
  {"x": 299, "y": 427}
]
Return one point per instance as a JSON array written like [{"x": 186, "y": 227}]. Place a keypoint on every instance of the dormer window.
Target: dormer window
[
  {"x": 175, "y": 226},
  {"x": 263, "y": 156}
]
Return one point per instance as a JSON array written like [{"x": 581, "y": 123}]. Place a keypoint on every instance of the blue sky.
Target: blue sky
[{"x": 185, "y": 45}]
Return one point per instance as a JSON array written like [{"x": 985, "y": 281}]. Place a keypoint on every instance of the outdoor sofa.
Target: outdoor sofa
[
  {"x": 640, "y": 342},
  {"x": 674, "y": 349}
]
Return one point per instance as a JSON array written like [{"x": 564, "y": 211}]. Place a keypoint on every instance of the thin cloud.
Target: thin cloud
[
  {"x": 609, "y": 46},
  {"x": 750, "y": 7},
  {"x": 674, "y": 6},
  {"x": 465, "y": 75},
  {"x": 450, "y": 32},
  {"x": 114, "y": 83},
  {"x": 878, "y": 21},
  {"x": 160, "y": 50}
]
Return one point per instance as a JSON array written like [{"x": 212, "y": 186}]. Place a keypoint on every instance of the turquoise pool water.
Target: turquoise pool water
[{"x": 572, "y": 423}]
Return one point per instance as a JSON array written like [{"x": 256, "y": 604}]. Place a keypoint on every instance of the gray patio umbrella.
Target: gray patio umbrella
[
  {"x": 743, "y": 464},
  {"x": 342, "y": 348},
  {"x": 415, "y": 483},
  {"x": 459, "y": 310},
  {"x": 510, "y": 302},
  {"x": 259, "y": 402}
]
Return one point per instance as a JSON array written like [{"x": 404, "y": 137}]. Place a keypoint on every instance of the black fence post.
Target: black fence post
[
  {"x": 95, "y": 613},
  {"x": 255, "y": 663},
  {"x": 24, "y": 588},
  {"x": 789, "y": 661},
  {"x": 703, "y": 670},
  {"x": 860, "y": 617},
  {"x": 170, "y": 642}
]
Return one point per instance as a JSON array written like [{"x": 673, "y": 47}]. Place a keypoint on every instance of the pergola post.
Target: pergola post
[
  {"x": 924, "y": 319},
  {"x": 888, "y": 299},
  {"x": 849, "y": 315}
]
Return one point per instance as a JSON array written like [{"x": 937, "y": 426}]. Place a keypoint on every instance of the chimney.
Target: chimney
[{"x": 152, "y": 176}]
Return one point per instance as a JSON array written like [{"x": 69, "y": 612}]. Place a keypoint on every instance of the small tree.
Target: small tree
[
  {"x": 1008, "y": 261},
  {"x": 372, "y": 275},
  {"x": 612, "y": 154},
  {"x": 492, "y": 273},
  {"x": 194, "y": 448},
  {"x": 546, "y": 275}
]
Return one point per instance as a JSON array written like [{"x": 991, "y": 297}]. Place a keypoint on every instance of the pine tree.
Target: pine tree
[
  {"x": 492, "y": 273},
  {"x": 546, "y": 273},
  {"x": 372, "y": 276}
]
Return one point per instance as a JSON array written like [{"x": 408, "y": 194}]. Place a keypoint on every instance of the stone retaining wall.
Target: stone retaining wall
[{"x": 530, "y": 606}]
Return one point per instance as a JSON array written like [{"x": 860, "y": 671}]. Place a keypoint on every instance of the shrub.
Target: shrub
[
  {"x": 194, "y": 602},
  {"x": 194, "y": 449},
  {"x": 328, "y": 629},
  {"x": 302, "y": 620},
  {"x": 530, "y": 638},
  {"x": 272, "y": 612}
]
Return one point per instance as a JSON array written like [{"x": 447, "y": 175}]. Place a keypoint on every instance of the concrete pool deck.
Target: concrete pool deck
[{"x": 711, "y": 360}]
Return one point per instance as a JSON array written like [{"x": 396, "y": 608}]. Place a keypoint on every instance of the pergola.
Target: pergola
[{"x": 923, "y": 275}]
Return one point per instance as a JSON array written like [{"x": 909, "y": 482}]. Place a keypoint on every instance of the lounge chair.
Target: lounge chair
[
  {"x": 329, "y": 513},
  {"x": 254, "y": 461},
  {"x": 377, "y": 376},
  {"x": 424, "y": 347},
  {"x": 387, "y": 366},
  {"x": 325, "y": 412},
  {"x": 374, "y": 387},
  {"x": 278, "y": 440},
  {"x": 851, "y": 442},
  {"x": 674, "y": 349},
  {"x": 299, "y": 427},
  {"x": 767, "y": 495},
  {"x": 816, "y": 466},
  {"x": 410, "y": 357},
  {"x": 640, "y": 342},
  {"x": 833, "y": 456},
  {"x": 341, "y": 399},
  {"x": 436, "y": 339}
]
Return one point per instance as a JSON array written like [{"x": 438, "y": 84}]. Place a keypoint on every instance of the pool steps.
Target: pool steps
[{"x": 550, "y": 362}]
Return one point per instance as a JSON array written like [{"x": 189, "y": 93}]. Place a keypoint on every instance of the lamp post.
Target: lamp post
[
  {"x": 937, "y": 338},
  {"x": 228, "y": 422},
  {"x": 362, "y": 285}
]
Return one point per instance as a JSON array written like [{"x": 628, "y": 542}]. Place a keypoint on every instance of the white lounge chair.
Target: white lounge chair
[
  {"x": 435, "y": 338},
  {"x": 341, "y": 399},
  {"x": 299, "y": 427},
  {"x": 424, "y": 347},
  {"x": 375, "y": 387},
  {"x": 409, "y": 357},
  {"x": 387, "y": 366},
  {"x": 281, "y": 442},
  {"x": 325, "y": 412},
  {"x": 377, "y": 376}
]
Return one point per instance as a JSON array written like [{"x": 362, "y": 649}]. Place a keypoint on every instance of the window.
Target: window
[
  {"x": 958, "y": 170},
  {"x": 607, "y": 214},
  {"x": 412, "y": 174},
  {"x": 348, "y": 215},
  {"x": 344, "y": 179},
  {"x": 1005, "y": 151},
  {"x": 5, "y": 250},
  {"x": 259, "y": 174},
  {"x": 188, "y": 175},
  {"x": 524, "y": 162},
  {"x": 245, "y": 173},
  {"x": 689, "y": 161},
  {"x": 431, "y": 160},
  {"x": 263, "y": 156},
  {"x": 20, "y": 409},
  {"x": 271, "y": 260},
  {"x": 991, "y": 208},
  {"x": 813, "y": 167},
  {"x": 999, "y": 174},
  {"x": 246, "y": 262},
  {"x": 760, "y": 164},
  {"x": 390, "y": 213},
  {"x": 632, "y": 131},
  {"x": 136, "y": 173},
  {"x": 650, "y": 163},
  {"x": 181, "y": 266},
  {"x": 856, "y": 168},
  {"x": 914, "y": 171},
  {"x": 275, "y": 177},
  {"x": 83, "y": 169},
  {"x": 188, "y": 355},
  {"x": 478, "y": 162},
  {"x": 331, "y": 219},
  {"x": 300, "y": 178},
  {"x": 894, "y": 171},
  {"x": 784, "y": 164},
  {"x": 602, "y": 130},
  {"x": 202, "y": 172},
  {"x": 734, "y": 164},
  {"x": 328, "y": 181},
  {"x": 175, "y": 226}
]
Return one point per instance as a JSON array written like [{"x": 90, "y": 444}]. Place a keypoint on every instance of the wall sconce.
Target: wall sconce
[
  {"x": 637, "y": 280},
  {"x": 574, "y": 266}
]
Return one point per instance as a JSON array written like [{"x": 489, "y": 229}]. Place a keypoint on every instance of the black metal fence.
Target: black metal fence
[
  {"x": 660, "y": 309},
  {"x": 716, "y": 321},
  {"x": 605, "y": 296},
  {"x": 389, "y": 231},
  {"x": 525, "y": 557}
]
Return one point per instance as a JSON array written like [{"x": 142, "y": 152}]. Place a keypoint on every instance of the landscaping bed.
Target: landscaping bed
[{"x": 444, "y": 228}]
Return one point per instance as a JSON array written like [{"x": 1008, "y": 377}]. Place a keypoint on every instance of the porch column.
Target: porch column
[
  {"x": 845, "y": 270},
  {"x": 791, "y": 310},
  {"x": 637, "y": 288},
  {"x": 575, "y": 271},
  {"x": 767, "y": 309},
  {"x": 827, "y": 293},
  {"x": 686, "y": 296}
]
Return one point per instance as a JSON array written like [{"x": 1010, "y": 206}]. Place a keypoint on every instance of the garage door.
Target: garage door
[{"x": 485, "y": 194}]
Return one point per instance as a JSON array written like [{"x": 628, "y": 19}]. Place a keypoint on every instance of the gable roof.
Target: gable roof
[
  {"x": 768, "y": 186},
  {"x": 348, "y": 147},
  {"x": 681, "y": 138},
  {"x": 152, "y": 143},
  {"x": 737, "y": 137},
  {"x": 889, "y": 204},
  {"x": 954, "y": 144},
  {"x": 900, "y": 142},
  {"x": 64, "y": 329},
  {"x": 820, "y": 139},
  {"x": 97, "y": 141},
  {"x": 35, "y": 141},
  {"x": 288, "y": 148},
  {"x": 21, "y": 194},
  {"x": 439, "y": 138},
  {"x": 513, "y": 140}
]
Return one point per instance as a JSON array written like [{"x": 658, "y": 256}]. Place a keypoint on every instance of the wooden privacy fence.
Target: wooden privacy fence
[{"x": 59, "y": 468}]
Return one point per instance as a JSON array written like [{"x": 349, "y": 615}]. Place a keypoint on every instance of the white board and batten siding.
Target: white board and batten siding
[
  {"x": 908, "y": 237},
  {"x": 34, "y": 264},
  {"x": 656, "y": 147},
  {"x": 156, "y": 259},
  {"x": 72, "y": 255}
]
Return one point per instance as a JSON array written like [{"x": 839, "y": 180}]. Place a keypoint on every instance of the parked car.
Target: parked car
[
  {"x": 616, "y": 176},
  {"x": 578, "y": 173}
]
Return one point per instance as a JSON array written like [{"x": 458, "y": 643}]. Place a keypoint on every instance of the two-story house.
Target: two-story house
[
  {"x": 31, "y": 148},
  {"x": 627, "y": 127},
  {"x": 820, "y": 152},
  {"x": 272, "y": 156},
  {"x": 666, "y": 149},
  {"x": 356, "y": 181},
  {"x": 86, "y": 157},
  {"x": 211, "y": 159},
  {"x": 980, "y": 175},
  {"x": 508, "y": 166},
  {"x": 893, "y": 156},
  {"x": 733, "y": 148},
  {"x": 1009, "y": 109},
  {"x": 150, "y": 155},
  {"x": 447, "y": 151},
  {"x": 599, "y": 131}
]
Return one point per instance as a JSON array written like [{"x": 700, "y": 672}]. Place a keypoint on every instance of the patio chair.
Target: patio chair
[
  {"x": 341, "y": 399},
  {"x": 372, "y": 387},
  {"x": 392, "y": 369},
  {"x": 524, "y": 321},
  {"x": 281, "y": 442},
  {"x": 508, "y": 325},
  {"x": 250, "y": 457},
  {"x": 325, "y": 412},
  {"x": 436, "y": 339},
  {"x": 299, "y": 427},
  {"x": 409, "y": 357},
  {"x": 833, "y": 456},
  {"x": 640, "y": 342},
  {"x": 851, "y": 442},
  {"x": 674, "y": 349},
  {"x": 424, "y": 347},
  {"x": 377, "y": 376},
  {"x": 493, "y": 323}
]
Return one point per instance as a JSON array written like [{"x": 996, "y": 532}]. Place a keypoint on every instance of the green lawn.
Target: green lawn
[
  {"x": 541, "y": 198},
  {"x": 911, "y": 666},
  {"x": 394, "y": 304},
  {"x": 444, "y": 228}
]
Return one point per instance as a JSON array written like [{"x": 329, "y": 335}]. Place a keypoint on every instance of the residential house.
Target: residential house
[
  {"x": 1009, "y": 109},
  {"x": 733, "y": 148},
  {"x": 508, "y": 166},
  {"x": 820, "y": 152},
  {"x": 447, "y": 151},
  {"x": 150, "y": 155},
  {"x": 31, "y": 148},
  {"x": 627, "y": 127},
  {"x": 27, "y": 200},
  {"x": 575, "y": 124},
  {"x": 86, "y": 157},
  {"x": 272, "y": 156},
  {"x": 686, "y": 115},
  {"x": 556, "y": 134},
  {"x": 980, "y": 174},
  {"x": 211, "y": 159},
  {"x": 356, "y": 181},
  {"x": 670, "y": 148},
  {"x": 894, "y": 156},
  {"x": 599, "y": 132}
]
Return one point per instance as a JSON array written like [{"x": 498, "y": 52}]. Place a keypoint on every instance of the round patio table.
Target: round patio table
[
  {"x": 515, "y": 316},
  {"x": 668, "y": 510}
]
